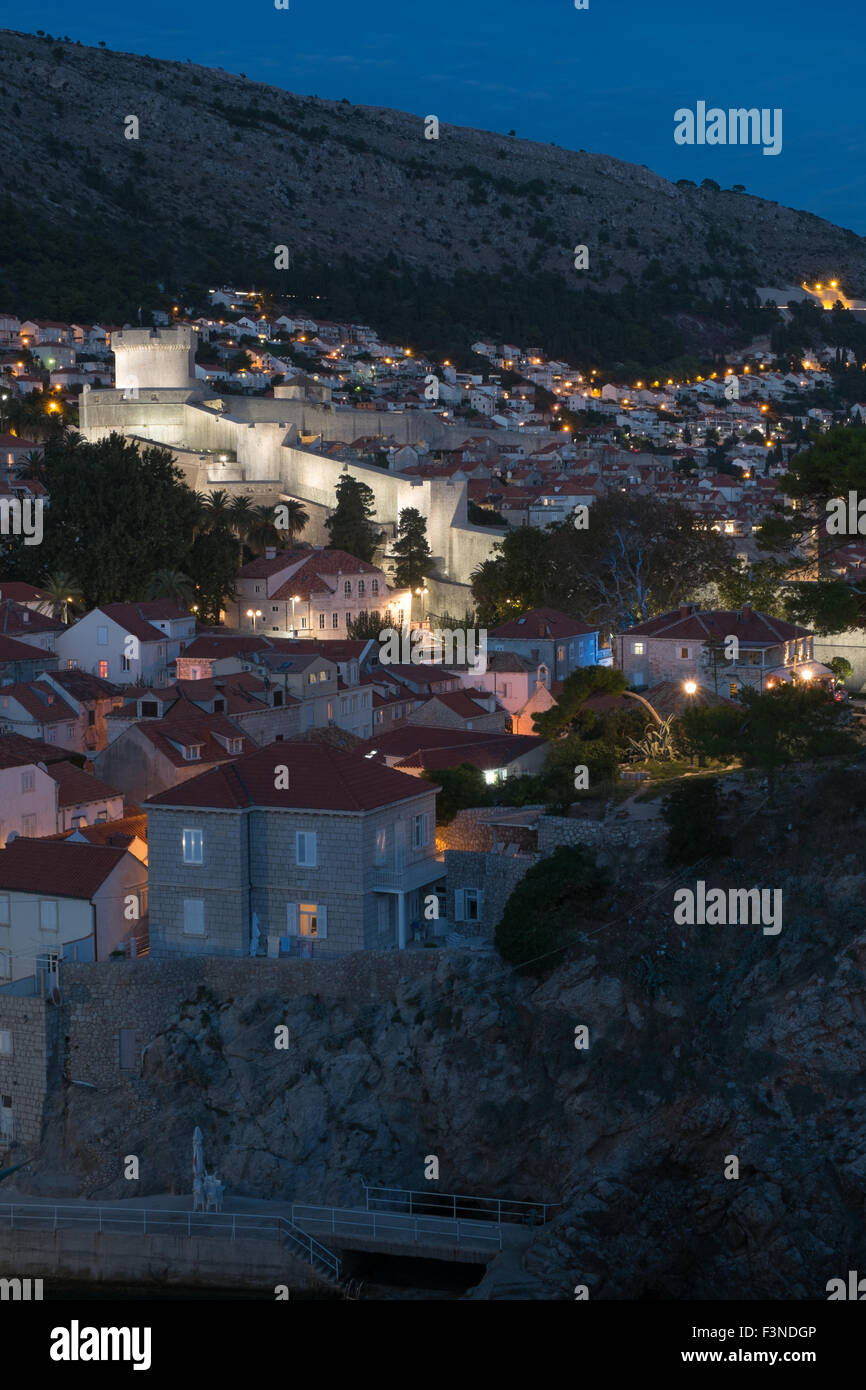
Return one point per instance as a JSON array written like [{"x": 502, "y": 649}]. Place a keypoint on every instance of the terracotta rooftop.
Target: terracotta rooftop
[
  {"x": 321, "y": 778},
  {"x": 544, "y": 623},
  {"x": 56, "y": 868}
]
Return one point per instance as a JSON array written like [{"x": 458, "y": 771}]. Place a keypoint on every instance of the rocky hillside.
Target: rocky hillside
[
  {"x": 704, "y": 1042},
  {"x": 225, "y": 169}
]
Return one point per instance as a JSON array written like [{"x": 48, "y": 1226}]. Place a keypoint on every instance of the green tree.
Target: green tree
[
  {"x": 692, "y": 812},
  {"x": 118, "y": 512},
  {"x": 212, "y": 564},
  {"x": 218, "y": 510},
  {"x": 64, "y": 595},
  {"x": 547, "y": 909},
  {"x": 462, "y": 786},
  {"x": 292, "y": 518},
  {"x": 576, "y": 688},
  {"x": 263, "y": 530},
  {"x": 350, "y": 526},
  {"x": 365, "y": 627},
  {"x": 760, "y": 585},
  {"x": 411, "y": 549},
  {"x": 841, "y": 668},
  {"x": 240, "y": 514},
  {"x": 171, "y": 584},
  {"x": 774, "y": 728}
]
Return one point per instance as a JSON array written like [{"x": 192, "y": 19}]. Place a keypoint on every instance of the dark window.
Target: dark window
[
  {"x": 91, "y": 718},
  {"x": 278, "y": 699},
  {"x": 219, "y": 706},
  {"x": 149, "y": 708}
]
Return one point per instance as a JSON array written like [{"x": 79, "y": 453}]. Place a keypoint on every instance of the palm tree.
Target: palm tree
[
  {"x": 217, "y": 509},
  {"x": 263, "y": 530},
  {"x": 63, "y": 592},
  {"x": 240, "y": 515},
  {"x": 296, "y": 518},
  {"x": 172, "y": 584}
]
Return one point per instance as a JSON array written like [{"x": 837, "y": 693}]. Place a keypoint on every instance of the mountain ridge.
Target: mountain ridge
[{"x": 265, "y": 168}]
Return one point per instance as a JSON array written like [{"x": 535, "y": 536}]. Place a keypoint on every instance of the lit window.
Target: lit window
[
  {"x": 637, "y": 648},
  {"x": 103, "y": 670},
  {"x": 312, "y": 920},
  {"x": 684, "y": 653},
  {"x": 734, "y": 688},
  {"x": 193, "y": 846}
]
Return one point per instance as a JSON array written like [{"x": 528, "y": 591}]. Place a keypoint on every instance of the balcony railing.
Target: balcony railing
[{"x": 402, "y": 872}]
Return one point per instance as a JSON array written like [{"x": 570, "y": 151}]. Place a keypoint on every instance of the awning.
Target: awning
[{"x": 806, "y": 671}]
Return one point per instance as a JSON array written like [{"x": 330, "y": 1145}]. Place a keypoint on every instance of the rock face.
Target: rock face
[
  {"x": 704, "y": 1044},
  {"x": 333, "y": 178}
]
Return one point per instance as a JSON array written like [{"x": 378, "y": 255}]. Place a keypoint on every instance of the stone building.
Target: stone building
[
  {"x": 718, "y": 649},
  {"x": 298, "y": 849}
]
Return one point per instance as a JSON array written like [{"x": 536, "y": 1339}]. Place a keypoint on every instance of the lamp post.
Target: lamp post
[
  {"x": 296, "y": 598},
  {"x": 421, "y": 593},
  {"x": 252, "y": 614}
]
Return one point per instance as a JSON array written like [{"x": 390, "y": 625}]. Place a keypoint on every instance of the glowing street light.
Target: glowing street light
[
  {"x": 690, "y": 687},
  {"x": 252, "y": 614}
]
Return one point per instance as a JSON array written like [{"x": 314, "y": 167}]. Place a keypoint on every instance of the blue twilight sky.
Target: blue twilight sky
[{"x": 607, "y": 79}]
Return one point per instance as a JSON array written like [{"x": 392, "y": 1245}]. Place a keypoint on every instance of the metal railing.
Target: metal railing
[
  {"x": 422, "y": 1229},
  {"x": 156, "y": 1221},
  {"x": 480, "y": 1209}
]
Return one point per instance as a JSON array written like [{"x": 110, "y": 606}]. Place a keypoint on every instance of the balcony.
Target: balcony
[{"x": 402, "y": 874}]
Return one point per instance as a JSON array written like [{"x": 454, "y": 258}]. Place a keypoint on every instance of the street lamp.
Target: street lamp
[
  {"x": 690, "y": 687},
  {"x": 296, "y": 598},
  {"x": 252, "y": 614}
]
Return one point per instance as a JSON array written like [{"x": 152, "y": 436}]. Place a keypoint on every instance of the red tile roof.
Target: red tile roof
[
  {"x": 13, "y": 650},
  {"x": 75, "y": 787},
  {"x": 749, "y": 626},
  {"x": 417, "y": 746},
  {"x": 118, "y": 833},
  {"x": 19, "y": 591},
  {"x": 56, "y": 868},
  {"x": 321, "y": 778},
  {"x": 16, "y": 750},
  {"x": 545, "y": 623},
  {"x": 138, "y": 618},
  {"x": 39, "y": 700}
]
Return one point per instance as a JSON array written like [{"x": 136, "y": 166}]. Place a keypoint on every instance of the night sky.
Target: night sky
[{"x": 606, "y": 80}]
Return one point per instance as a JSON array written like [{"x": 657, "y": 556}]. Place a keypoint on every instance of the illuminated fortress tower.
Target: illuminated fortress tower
[{"x": 147, "y": 358}]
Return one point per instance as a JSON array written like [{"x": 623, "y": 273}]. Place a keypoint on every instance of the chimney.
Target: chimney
[
  {"x": 746, "y": 611},
  {"x": 270, "y": 552},
  {"x": 685, "y": 610}
]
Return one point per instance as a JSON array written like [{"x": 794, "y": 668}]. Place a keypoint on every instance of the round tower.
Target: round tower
[{"x": 148, "y": 358}]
